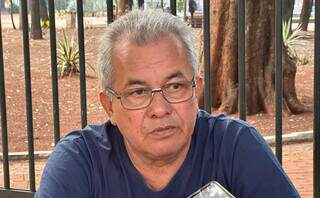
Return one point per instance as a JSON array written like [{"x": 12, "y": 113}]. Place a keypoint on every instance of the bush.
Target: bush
[
  {"x": 45, "y": 23},
  {"x": 292, "y": 39},
  {"x": 68, "y": 56}
]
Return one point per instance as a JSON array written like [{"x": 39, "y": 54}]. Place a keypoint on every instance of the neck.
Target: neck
[{"x": 157, "y": 172}]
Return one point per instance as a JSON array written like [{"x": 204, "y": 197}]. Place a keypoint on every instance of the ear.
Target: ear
[
  {"x": 199, "y": 87},
  {"x": 106, "y": 103}
]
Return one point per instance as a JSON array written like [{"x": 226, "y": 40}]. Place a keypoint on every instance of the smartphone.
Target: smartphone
[{"x": 211, "y": 190}]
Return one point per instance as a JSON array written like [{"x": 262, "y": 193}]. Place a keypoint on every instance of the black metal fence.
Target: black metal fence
[{"x": 7, "y": 191}]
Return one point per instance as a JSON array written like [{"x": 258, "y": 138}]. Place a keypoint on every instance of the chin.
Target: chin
[{"x": 167, "y": 150}]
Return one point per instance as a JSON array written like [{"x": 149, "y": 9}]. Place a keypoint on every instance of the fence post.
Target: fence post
[
  {"x": 316, "y": 95},
  {"x": 206, "y": 48},
  {"x": 278, "y": 78}
]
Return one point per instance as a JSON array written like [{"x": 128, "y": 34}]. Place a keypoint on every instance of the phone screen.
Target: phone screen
[{"x": 211, "y": 190}]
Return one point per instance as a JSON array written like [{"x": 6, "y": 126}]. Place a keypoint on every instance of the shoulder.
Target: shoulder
[
  {"x": 227, "y": 135},
  {"x": 224, "y": 126},
  {"x": 91, "y": 135},
  {"x": 74, "y": 161},
  {"x": 90, "y": 131},
  {"x": 84, "y": 145},
  {"x": 241, "y": 153}
]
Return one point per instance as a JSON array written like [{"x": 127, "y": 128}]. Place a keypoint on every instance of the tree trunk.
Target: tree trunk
[
  {"x": 184, "y": 10},
  {"x": 36, "y": 32},
  {"x": 288, "y": 9},
  {"x": 129, "y": 4},
  {"x": 121, "y": 7},
  {"x": 71, "y": 20},
  {"x": 259, "y": 59},
  {"x": 305, "y": 14},
  {"x": 11, "y": 15},
  {"x": 288, "y": 6},
  {"x": 20, "y": 15},
  {"x": 2, "y": 4},
  {"x": 43, "y": 10}
]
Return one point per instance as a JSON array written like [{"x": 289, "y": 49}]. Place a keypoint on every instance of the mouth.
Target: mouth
[{"x": 163, "y": 132}]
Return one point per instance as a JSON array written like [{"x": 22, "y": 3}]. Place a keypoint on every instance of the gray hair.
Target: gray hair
[{"x": 143, "y": 27}]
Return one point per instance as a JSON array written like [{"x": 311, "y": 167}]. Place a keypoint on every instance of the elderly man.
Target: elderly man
[{"x": 157, "y": 143}]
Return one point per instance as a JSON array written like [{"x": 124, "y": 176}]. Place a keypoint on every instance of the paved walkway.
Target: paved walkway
[{"x": 297, "y": 161}]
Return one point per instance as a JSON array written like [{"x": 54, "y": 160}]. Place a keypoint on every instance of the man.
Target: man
[
  {"x": 156, "y": 142},
  {"x": 192, "y": 9}
]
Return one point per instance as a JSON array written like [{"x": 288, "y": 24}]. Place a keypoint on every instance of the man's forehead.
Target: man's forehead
[
  {"x": 157, "y": 61},
  {"x": 126, "y": 40}
]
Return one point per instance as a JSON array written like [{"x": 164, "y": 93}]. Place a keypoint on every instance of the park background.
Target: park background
[{"x": 95, "y": 21}]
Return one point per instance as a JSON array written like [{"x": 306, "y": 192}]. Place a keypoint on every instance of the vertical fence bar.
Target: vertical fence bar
[
  {"x": 173, "y": 7},
  {"x": 206, "y": 46},
  {"x": 316, "y": 95},
  {"x": 54, "y": 81},
  {"x": 140, "y": 3},
  {"x": 241, "y": 60},
  {"x": 110, "y": 11},
  {"x": 4, "y": 126},
  {"x": 27, "y": 74},
  {"x": 83, "y": 96},
  {"x": 278, "y": 78}
]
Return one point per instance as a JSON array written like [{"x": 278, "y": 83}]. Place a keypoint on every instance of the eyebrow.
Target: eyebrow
[{"x": 177, "y": 74}]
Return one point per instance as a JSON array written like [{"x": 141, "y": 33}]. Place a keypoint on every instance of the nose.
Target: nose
[{"x": 159, "y": 107}]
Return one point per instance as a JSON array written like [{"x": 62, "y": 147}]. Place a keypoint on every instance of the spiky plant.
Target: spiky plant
[
  {"x": 293, "y": 38},
  {"x": 68, "y": 56}
]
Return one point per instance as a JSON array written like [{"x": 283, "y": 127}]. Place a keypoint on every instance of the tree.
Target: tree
[
  {"x": 121, "y": 7},
  {"x": 124, "y": 5},
  {"x": 43, "y": 10},
  {"x": 11, "y": 14},
  {"x": 36, "y": 32},
  {"x": 288, "y": 6},
  {"x": 259, "y": 58},
  {"x": 305, "y": 14},
  {"x": 2, "y": 4},
  {"x": 129, "y": 4}
]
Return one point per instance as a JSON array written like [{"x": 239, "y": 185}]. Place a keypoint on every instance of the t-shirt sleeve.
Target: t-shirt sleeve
[
  {"x": 67, "y": 172},
  {"x": 255, "y": 170}
]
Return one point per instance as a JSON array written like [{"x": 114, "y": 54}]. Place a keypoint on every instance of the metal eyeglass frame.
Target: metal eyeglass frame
[{"x": 153, "y": 91}]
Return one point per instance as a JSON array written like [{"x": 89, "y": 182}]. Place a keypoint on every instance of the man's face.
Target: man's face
[{"x": 162, "y": 129}]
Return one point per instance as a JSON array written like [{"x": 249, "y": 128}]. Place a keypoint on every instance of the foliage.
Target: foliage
[
  {"x": 15, "y": 7},
  {"x": 68, "y": 56},
  {"x": 45, "y": 23},
  {"x": 61, "y": 5},
  {"x": 292, "y": 39},
  {"x": 91, "y": 6},
  {"x": 180, "y": 5}
]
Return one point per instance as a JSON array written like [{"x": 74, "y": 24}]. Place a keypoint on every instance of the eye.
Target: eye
[
  {"x": 137, "y": 92},
  {"x": 175, "y": 85}
]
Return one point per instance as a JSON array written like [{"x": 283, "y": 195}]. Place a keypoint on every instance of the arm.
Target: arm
[{"x": 67, "y": 172}]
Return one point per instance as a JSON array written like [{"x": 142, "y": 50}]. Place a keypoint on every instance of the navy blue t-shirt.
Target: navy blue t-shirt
[{"x": 93, "y": 163}]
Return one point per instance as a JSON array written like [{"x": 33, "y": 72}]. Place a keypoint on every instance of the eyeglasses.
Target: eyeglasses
[{"x": 139, "y": 98}]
